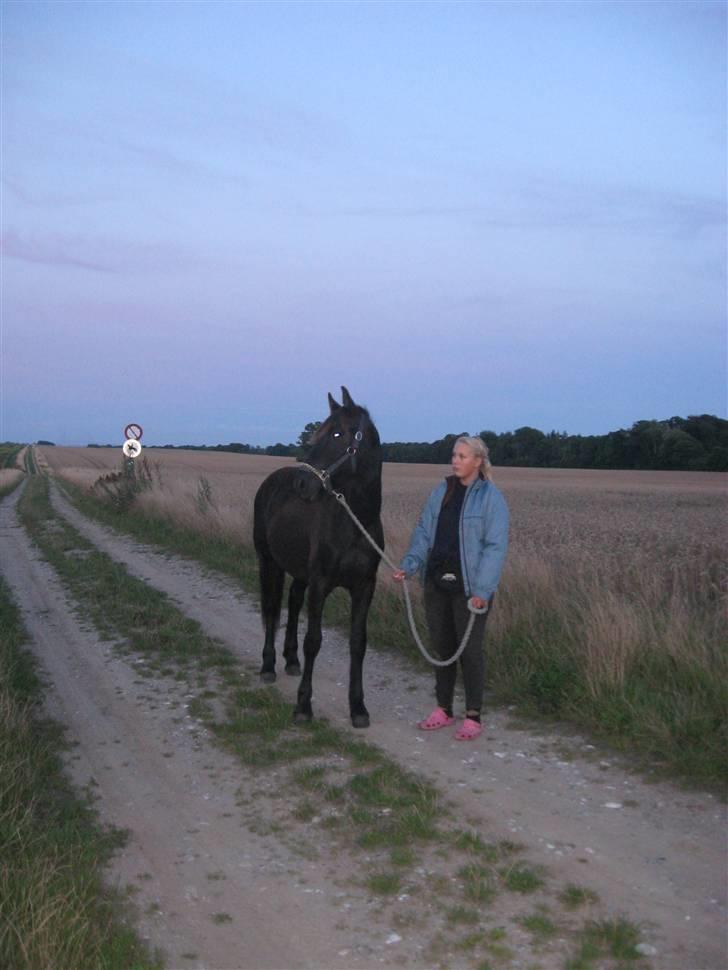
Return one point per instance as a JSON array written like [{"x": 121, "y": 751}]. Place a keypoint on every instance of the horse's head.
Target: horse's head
[{"x": 346, "y": 443}]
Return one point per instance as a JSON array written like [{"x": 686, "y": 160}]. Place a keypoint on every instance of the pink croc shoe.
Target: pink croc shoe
[
  {"x": 469, "y": 730},
  {"x": 438, "y": 719}
]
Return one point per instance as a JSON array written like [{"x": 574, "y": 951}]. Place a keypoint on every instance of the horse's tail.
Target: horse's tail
[
  {"x": 271, "y": 593},
  {"x": 272, "y": 576}
]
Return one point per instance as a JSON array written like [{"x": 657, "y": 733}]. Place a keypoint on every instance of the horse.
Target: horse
[{"x": 301, "y": 529}]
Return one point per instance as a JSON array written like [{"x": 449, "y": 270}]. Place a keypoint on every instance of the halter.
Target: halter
[{"x": 349, "y": 455}]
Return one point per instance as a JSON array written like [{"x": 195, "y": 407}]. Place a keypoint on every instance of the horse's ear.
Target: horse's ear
[
  {"x": 332, "y": 404},
  {"x": 346, "y": 398}
]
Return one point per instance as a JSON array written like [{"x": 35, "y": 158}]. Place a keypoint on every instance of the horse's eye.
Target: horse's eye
[{"x": 337, "y": 434}]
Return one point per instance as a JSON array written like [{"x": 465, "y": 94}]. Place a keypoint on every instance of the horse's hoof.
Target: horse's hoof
[
  {"x": 302, "y": 717},
  {"x": 360, "y": 720},
  {"x": 268, "y": 676},
  {"x": 293, "y": 670}
]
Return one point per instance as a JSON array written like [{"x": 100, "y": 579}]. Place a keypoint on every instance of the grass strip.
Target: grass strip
[
  {"x": 54, "y": 908},
  {"x": 8, "y": 453}
]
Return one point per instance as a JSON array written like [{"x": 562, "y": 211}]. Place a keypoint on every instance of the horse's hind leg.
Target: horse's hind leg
[
  {"x": 271, "y": 594},
  {"x": 361, "y": 598},
  {"x": 290, "y": 647}
]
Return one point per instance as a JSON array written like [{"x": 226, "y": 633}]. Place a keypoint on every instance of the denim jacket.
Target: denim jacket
[{"x": 483, "y": 537}]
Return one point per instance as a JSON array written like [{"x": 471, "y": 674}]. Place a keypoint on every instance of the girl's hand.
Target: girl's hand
[
  {"x": 477, "y": 603},
  {"x": 398, "y": 575}
]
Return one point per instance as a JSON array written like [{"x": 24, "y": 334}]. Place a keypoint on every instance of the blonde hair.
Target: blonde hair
[{"x": 480, "y": 450}]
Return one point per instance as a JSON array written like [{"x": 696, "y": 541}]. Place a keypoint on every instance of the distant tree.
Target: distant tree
[
  {"x": 280, "y": 449},
  {"x": 648, "y": 439},
  {"x": 709, "y": 430},
  {"x": 681, "y": 450},
  {"x": 490, "y": 438},
  {"x": 308, "y": 432},
  {"x": 528, "y": 446},
  {"x": 694, "y": 443},
  {"x": 717, "y": 460},
  {"x": 442, "y": 449},
  {"x": 48, "y": 444}
]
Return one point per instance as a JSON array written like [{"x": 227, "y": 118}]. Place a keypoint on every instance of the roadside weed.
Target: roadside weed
[
  {"x": 539, "y": 925},
  {"x": 522, "y": 878},
  {"x": 384, "y": 883},
  {"x": 479, "y": 883},
  {"x": 463, "y": 914},
  {"x": 616, "y": 939},
  {"x": 573, "y": 896}
]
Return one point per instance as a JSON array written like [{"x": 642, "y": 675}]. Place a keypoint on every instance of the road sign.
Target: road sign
[{"x": 132, "y": 448}]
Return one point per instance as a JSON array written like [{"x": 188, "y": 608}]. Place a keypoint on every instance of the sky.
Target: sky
[{"x": 476, "y": 216}]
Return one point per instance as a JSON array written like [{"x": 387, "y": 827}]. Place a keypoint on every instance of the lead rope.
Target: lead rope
[{"x": 408, "y": 600}]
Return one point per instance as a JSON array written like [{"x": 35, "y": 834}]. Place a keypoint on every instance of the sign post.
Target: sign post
[{"x": 132, "y": 446}]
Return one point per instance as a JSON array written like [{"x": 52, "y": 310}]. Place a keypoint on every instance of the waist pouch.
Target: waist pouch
[{"x": 448, "y": 578}]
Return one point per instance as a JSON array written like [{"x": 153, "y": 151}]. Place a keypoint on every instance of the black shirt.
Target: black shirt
[{"x": 446, "y": 548}]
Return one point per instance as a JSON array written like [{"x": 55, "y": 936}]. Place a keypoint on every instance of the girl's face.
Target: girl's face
[{"x": 465, "y": 463}]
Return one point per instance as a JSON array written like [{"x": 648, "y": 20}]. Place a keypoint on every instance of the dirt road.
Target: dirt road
[{"x": 216, "y": 895}]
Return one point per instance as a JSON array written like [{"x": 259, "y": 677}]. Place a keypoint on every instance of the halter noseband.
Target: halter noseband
[{"x": 350, "y": 454}]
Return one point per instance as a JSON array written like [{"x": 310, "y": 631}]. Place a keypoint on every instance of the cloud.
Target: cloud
[
  {"x": 44, "y": 199},
  {"x": 117, "y": 256},
  {"x": 539, "y": 204},
  {"x": 564, "y": 204},
  {"x": 53, "y": 251}
]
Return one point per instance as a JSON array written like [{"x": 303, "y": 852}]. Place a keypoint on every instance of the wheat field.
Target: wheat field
[
  {"x": 621, "y": 546},
  {"x": 608, "y": 521}
]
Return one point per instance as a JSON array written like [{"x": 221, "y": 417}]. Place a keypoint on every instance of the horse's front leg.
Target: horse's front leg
[
  {"x": 317, "y": 594},
  {"x": 361, "y": 598},
  {"x": 290, "y": 647}
]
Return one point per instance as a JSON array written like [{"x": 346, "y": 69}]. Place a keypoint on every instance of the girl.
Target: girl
[{"x": 459, "y": 546}]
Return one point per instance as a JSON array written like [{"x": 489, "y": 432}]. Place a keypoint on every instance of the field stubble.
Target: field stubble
[{"x": 611, "y": 607}]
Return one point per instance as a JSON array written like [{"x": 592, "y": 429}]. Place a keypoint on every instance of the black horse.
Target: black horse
[{"x": 301, "y": 528}]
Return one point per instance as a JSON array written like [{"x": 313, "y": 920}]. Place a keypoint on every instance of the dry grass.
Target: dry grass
[{"x": 9, "y": 478}]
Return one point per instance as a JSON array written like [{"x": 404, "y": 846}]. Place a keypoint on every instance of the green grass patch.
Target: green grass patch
[
  {"x": 480, "y": 884},
  {"x": 539, "y": 925},
  {"x": 384, "y": 883},
  {"x": 54, "y": 908},
  {"x": 522, "y": 878},
  {"x": 572, "y": 896},
  {"x": 615, "y": 939},
  {"x": 667, "y": 713},
  {"x": 9, "y": 451},
  {"x": 463, "y": 915}
]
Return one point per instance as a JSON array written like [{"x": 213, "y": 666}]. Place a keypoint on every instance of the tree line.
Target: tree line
[{"x": 695, "y": 443}]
